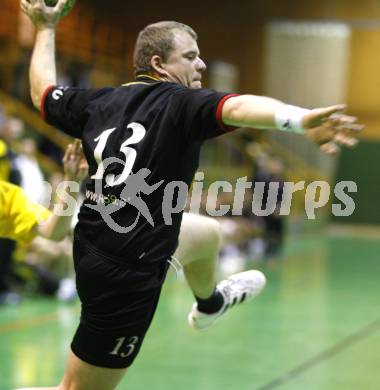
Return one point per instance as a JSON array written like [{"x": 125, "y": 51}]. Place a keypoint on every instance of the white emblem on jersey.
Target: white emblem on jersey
[{"x": 57, "y": 94}]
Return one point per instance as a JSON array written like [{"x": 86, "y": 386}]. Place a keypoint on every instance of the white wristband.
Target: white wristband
[{"x": 289, "y": 118}]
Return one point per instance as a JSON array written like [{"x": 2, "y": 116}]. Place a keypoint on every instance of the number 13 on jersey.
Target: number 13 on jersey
[{"x": 138, "y": 133}]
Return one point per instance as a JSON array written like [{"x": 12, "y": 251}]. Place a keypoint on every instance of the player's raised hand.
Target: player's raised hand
[
  {"x": 330, "y": 129},
  {"x": 42, "y": 15},
  {"x": 74, "y": 162}
]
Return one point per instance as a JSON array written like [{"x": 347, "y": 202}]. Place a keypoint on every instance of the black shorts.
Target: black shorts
[{"x": 118, "y": 300}]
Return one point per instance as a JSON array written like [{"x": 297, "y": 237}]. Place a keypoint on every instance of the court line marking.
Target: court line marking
[
  {"x": 17, "y": 325},
  {"x": 335, "y": 349}
]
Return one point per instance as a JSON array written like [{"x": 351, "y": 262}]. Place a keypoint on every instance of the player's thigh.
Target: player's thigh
[
  {"x": 199, "y": 237},
  {"x": 80, "y": 375}
]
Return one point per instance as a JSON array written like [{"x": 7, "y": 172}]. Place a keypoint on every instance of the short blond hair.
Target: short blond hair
[{"x": 156, "y": 39}]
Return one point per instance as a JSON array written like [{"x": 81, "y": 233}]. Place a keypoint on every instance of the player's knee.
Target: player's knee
[
  {"x": 212, "y": 233},
  {"x": 200, "y": 238}
]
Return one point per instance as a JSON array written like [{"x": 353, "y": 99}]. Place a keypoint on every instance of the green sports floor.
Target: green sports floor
[{"x": 315, "y": 326}]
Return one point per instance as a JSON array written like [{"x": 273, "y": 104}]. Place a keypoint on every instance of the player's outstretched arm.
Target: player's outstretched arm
[
  {"x": 327, "y": 126},
  {"x": 56, "y": 227},
  {"x": 42, "y": 72}
]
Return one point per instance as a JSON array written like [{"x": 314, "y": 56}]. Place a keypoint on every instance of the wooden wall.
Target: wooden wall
[
  {"x": 103, "y": 32},
  {"x": 233, "y": 31}
]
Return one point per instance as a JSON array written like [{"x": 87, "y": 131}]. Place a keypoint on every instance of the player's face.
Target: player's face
[{"x": 184, "y": 66}]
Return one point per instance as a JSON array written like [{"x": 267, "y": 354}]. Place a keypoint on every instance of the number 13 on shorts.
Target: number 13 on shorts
[{"x": 122, "y": 349}]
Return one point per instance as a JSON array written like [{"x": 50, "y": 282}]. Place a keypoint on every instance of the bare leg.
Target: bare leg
[
  {"x": 199, "y": 243},
  {"x": 83, "y": 376},
  {"x": 198, "y": 249}
]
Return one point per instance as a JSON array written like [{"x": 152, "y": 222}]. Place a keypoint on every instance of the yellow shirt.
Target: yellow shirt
[
  {"x": 18, "y": 215},
  {"x": 5, "y": 166}
]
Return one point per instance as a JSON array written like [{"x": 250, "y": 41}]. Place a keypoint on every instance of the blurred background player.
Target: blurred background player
[
  {"x": 22, "y": 219},
  {"x": 10, "y": 172}
]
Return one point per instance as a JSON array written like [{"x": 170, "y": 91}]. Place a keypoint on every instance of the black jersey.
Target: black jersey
[{"x": 139, "y": 140}]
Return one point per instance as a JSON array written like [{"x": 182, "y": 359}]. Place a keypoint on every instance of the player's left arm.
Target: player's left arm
[
  {"x": 56, "y": 226},
  {"x": 326, "y": 126}
]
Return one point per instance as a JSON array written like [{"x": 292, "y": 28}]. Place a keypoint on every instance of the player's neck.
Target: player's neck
[{"x": 149, "y": 76}]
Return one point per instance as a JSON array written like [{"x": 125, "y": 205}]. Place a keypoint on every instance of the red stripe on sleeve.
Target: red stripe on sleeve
[
  {"x": 219, "y": 113},
  {"x": 42, "y": 108}
]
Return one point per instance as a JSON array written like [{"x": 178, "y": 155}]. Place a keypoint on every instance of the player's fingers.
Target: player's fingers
[
  {"x": 83, "y": 167},
  {"x": 350, "y": 127},
  {"x": 81, "y": 154},
  {"x": 330, "y": 148},
  {"x": 337, "y": 120},
  {"x": 345, "y": 140},
  {"x": 67, "y": 154},
  {"x": 83, "y": 163},
  {"x": 77, "y": 147},
  {"x": 74, "y": 158},
  {"x": 345, "y": 122},
  {"x": 343, "y": 118},
  {"x": 320, "y": 116},
  {"x": 74, "y": 152},
  {"x": 59, "y": 6},
  {"x": 321, "y": 134},
  {"x": 324, "y": 113},
  {"x": 25, "y": 6},
  {"x": 38, "y": 6},
  {"x": 39, "y": 3},
  {"x": 78, "y": 142}
]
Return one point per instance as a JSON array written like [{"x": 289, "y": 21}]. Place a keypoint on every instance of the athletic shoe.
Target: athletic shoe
[{"x": 238, "y": 288}]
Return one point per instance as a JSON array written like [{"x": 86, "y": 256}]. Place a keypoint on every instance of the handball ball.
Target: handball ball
[{"x": 66, "y": 8}]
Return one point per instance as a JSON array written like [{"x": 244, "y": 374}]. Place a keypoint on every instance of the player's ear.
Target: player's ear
[{"x": 158, "y": 66}]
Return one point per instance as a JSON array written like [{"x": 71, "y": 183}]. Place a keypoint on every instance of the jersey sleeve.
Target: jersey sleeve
[
  {"x": 68, "y": 108},
  {"x": 21, "y": 215},
  {"x": 198, "y": 113}
]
